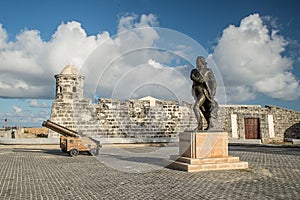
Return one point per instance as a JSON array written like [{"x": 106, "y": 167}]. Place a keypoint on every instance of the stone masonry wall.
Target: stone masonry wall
[
  {"x": 286, "y": 123},
  {"x": 129, "y": 119},
  {"x": 242, "y": 112},
  {"x": 136, "y": 119}
]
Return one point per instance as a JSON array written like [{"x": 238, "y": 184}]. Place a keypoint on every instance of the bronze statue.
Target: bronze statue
[{"x": 204, "y": 91}]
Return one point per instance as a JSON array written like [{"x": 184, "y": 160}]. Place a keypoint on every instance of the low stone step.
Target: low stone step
[
  {"x": 205, "y": 160},
  {"x": 177, "y": 165},
  {"x": 218, "y": 166},
  {"x": 208, "y": 166}
]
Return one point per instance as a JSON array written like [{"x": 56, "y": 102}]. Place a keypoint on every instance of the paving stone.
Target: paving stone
[{"x": 40, "y": 173}]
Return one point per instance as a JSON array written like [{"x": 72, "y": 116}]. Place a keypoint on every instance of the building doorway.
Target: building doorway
[{"x": 252, "y": 128}]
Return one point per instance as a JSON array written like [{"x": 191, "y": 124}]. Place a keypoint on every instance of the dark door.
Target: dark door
[{"x": 252, "y": 128}]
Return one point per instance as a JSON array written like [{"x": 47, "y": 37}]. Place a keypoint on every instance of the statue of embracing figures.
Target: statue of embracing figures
[{"x": 204, "y": 91}]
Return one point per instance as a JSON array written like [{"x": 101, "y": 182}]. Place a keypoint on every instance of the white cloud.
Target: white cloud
[
  {"x": 250, "y": 59},
  {"x": 240, "y": 93},
  {"x": 130, "y": 65},
  {"x": 33, "y": 103},
  {"x": 155, "y": 64},
  {"x": 44, "y": 105},
  {"x": 17, "y": 109},
  {"x": 3, "y": 37},
  {"x": 28, "y": 64},
  {"x": 23, "y": 117},
  {"x": 130, "y": 22},
  {"x": 152, "y": 79}
]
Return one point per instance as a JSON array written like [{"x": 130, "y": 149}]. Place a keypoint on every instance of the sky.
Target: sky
[{"x": 130, "y": 49}]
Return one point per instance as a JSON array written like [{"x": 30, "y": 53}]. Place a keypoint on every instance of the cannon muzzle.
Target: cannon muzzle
[{"x": 60, "y": 129}]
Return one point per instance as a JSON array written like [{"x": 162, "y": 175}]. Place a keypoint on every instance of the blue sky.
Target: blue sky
[{"x": 207, "y": 23}]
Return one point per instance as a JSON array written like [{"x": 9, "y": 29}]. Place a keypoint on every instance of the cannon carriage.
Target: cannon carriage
[{"x": 72, "y": 142}]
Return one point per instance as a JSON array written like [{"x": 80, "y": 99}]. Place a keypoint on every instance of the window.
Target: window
[{"x": 74, "y": 89}]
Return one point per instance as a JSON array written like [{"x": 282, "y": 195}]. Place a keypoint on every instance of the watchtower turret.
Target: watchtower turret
[{"x": 69, "y": 84}]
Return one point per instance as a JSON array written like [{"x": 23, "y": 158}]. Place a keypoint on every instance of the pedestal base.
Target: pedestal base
[
  {"x": 206, "y": 164},
  {"x": 204, "y": 151}
]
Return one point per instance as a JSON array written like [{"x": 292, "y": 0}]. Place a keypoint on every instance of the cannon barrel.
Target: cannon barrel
[{"x": 60, "y": 129}]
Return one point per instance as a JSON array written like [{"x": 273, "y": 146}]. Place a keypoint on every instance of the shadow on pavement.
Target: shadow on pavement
[{"x": 145, "y": 160}]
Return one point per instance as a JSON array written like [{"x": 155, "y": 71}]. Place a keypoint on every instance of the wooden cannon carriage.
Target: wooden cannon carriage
[{"x": 72, "y": 142}]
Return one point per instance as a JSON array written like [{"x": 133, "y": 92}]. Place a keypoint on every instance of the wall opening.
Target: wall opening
[
  {"x": 252, "y": 128},
  {"x": 59, "y": 89},
  {"x": 293, "y": 132}
]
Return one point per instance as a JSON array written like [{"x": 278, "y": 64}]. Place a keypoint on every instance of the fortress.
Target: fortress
[
  {"x": 153, "y": 120},
  {"x": 143, "y": 119}
]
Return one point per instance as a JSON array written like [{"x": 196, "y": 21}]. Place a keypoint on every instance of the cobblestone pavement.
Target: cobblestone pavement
[{"x": 47, "y": 173}]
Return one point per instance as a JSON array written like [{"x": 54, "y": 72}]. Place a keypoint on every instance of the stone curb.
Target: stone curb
[
  {"x": 136, "y": 140},
  {"x": 36, "y": 141},
  {"x": 244, "y": 141},
  {"x": 296, "y": 141}
]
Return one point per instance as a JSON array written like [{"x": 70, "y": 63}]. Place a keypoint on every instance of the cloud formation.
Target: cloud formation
[
  {"x": 34, "y": 103},
  {"x": 22, "y": 117},
  {"x": 250, "y": 58},
  {"x": 29, "y": 63},
  {"x": 17, "y": 109},
  {"x": 143, "y": 60}
]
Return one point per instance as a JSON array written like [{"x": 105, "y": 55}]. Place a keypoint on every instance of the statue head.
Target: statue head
[{"x": 201, "y": 63}]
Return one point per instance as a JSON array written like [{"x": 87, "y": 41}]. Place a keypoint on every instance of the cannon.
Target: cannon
[{"x": 72, "y": 142}]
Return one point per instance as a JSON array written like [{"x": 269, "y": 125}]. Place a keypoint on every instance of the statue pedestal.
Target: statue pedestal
[{"x": 204, "y": 151}]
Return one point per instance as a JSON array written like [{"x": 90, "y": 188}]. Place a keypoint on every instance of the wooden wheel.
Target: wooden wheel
[
  {"x": 73, "y": 152},
  {"x": 94, "y": 152}
]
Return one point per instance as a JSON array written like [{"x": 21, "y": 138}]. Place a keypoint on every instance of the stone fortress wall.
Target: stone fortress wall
[
  {"x": 143, "y": 118},
  {"x": 150, "y": 118},
  {"x": 275, "y": 124},
  {"x": 130, "y": 119}
]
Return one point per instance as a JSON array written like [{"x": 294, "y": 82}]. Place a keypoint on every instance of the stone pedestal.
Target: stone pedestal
[{"x": 203, "y": 151}]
